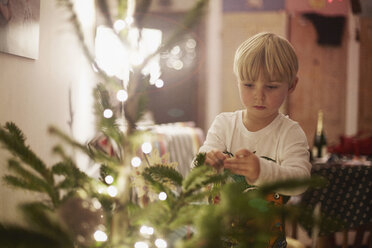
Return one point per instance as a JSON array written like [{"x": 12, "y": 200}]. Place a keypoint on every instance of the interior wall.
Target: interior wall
[
  {"x": 213, "y": 62},
  {"x": 236, "y": 28},
  {"x": 35, "y": 93},
  {"x": 322, "y": 81},
  {"x": 365, "y": 101}
]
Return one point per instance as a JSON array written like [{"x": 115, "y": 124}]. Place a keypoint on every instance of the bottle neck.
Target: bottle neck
[{"x": 319, "y": 126}]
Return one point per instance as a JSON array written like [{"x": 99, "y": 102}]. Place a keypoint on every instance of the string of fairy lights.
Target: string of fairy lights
[
  {"x": 110, "y": 189},
  {"x": 118, "y": 59}
]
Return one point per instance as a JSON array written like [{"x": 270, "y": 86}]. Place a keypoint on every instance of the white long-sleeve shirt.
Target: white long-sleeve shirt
[{"x": 283, "y": 141}]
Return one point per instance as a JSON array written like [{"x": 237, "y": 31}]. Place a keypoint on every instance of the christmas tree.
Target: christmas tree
[{"x": 140, "y": 199}]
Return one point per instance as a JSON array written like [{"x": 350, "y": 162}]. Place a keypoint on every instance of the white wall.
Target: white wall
[
  {"x": 34, "y": 93},
  {"x": 214, "y": 56},
  {"x": 352, "y": 83}
]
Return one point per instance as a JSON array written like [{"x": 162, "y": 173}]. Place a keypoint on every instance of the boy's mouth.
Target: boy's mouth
[{"x": 259, "y": 107}]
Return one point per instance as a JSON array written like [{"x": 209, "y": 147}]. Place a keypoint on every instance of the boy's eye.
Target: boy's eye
[
  {"x": 249, "y": 85},
  {"x": 271, "y": 87}
]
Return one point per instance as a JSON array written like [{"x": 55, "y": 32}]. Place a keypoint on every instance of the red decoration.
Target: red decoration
[{"x": 355, "y": 145}]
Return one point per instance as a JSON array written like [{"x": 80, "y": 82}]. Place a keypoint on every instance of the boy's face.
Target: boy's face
[{"x": 262, "y": 98}]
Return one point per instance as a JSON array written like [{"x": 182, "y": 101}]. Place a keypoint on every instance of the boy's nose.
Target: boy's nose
[{"x": 259, "y": 94}]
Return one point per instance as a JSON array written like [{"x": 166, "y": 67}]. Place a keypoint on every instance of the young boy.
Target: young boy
[{"x": 267, "y": 146}]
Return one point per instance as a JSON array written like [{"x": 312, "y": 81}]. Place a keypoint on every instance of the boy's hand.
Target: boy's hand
[
  {"x": 215, "y": 158},
  {"x": 244, "y": 163}
]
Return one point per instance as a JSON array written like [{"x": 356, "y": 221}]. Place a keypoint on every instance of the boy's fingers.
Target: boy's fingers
[
  {"x": 235, "y": 160},
  {"x": 243, "y": 153},
  {"x": 220, "y": 156},
  {"x": 215, "y": 158}
]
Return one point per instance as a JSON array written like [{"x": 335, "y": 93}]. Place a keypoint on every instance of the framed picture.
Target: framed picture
[
  {"x": 252, "y": 5},
  {"x": 19, "y": 27}
]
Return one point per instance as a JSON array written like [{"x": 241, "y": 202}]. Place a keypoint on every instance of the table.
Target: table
[{"x": 346, "y": 200}]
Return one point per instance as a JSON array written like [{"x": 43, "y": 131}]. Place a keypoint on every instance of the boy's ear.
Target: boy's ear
[{"x": 293, "y": 86}]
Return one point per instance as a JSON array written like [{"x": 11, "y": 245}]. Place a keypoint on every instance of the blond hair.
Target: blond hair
[{"x": 268, "y": 52}]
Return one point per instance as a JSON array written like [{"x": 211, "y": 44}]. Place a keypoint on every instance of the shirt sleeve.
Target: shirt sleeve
[
  {"x": 294, "y": 161},
  {"x": 216, "y": 138}
]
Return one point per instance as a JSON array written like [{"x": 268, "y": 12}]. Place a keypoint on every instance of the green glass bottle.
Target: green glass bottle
[{"x": 320, "y": 142}]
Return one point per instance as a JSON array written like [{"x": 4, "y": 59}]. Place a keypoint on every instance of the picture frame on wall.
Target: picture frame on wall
[
  {"x": 252, "y": 5},
  {"x": 19, "y": 27}
]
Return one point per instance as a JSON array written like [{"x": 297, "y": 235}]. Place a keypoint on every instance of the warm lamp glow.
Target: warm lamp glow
[{"x": 117, "y": 59}]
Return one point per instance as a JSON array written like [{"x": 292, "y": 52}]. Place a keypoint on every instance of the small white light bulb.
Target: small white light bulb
[
  {"x": 150, "y": 230},
  {"x": 176, "y": 50},
  {"x": 147, "y": 230},
  {"x": 119, "y": 25},
  {"x": 162, "y": 196},
  {"x": 96, "y": 203},
  {"x": 109, "y": 179},
  {"x": 146, "y": 147},
  {"x": 191, "y": 43},
  {"x": 136, "y": 162},
  {"x": 112, "y": 191},
  {"x": 141, "y": 244},
  {"x": 122, "y": 95},
  {"x": 159, "y": 83},
  {"x": 143, "y": 229},
  {"x": 100, "y": 236},
  {"x": 129, "y": 20},
  {"x": 100, "y": 190},
  {"x": 161, "y": 243},
  {"x": 177, "y": 65},
  {"x": 108, "y": 113}
]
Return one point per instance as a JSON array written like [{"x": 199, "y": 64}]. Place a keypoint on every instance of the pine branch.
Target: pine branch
[
  {"x": 107, "y": 125},
  {"x": 12, "y": 236},
  {"x": 45, "y": 221},
  {"x": 158, "y": 186},
  {"x": 194, "y": 174},
  {"x": 103, "y": 158},
  {"x": 164, "y": 174},
  {"x": 29, "y": 178},
  {"x": 21, "y": 183},
  {"x": 13, "y": 140},
  {"x": 198, "y": 197},
  {"x": 183, "y": 216},
  {"x": 199, "y": 177},
  {"x": 15, "y": 132},
  {"x": 74, "y": 177},
  {"x": 199, "y": 159},
  {"x": 68, "y": 140},
  {"x": 137, "y": 97}
]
